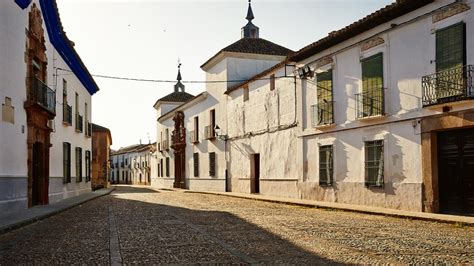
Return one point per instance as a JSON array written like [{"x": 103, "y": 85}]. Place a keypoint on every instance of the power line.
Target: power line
[{"x": 174, "y": 81}]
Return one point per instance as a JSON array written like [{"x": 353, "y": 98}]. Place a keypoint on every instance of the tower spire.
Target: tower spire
[
  {"x": 178, "y": 84},
  {"x": 249, "y": 12},
  {"x": 250, "y": 30}
]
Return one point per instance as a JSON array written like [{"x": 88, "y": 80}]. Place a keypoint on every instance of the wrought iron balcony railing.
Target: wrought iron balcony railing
[
  {"x": 67, "y": 114},
  {"x": 79, "y": 123},
  {"x": 451, "y": 85},
  {"x": 209, "y": 132},
  {"x": 370, "y": 103},
  {"x": 322, "y": 114},
  {"x": 42, "y": 95}
]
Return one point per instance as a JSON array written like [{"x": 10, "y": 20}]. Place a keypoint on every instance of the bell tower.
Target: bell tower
[{"x": 250, "y": 30}]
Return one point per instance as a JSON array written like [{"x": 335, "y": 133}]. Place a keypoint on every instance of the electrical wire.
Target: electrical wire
[{"x": 174, "y": 81}]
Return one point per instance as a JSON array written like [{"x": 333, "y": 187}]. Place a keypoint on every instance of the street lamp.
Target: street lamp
[{"x": 218, "y": 133}]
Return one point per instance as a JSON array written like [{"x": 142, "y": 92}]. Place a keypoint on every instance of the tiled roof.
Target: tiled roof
[
  {"x": 133, "y": 148},
  {"x": 177, "y": 97},
  {"x": 97, "y": 128},
  {"x": 383, "y": 15},
  {"x": 254, "y": 46}
]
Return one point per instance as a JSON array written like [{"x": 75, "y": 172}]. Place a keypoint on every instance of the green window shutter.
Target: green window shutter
[
  {"x": 324, "y": 90},
  {"x": 450, "y": 47},
  {"x": 372, "y": 73}
]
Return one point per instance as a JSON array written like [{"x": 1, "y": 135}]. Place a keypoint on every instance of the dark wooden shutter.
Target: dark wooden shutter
[
  {"x": 65, "y": 162},
  {"x": 168, "y": 167},
  {"x": 450, "y": 47},
  {"x": 196, "y": 164},
  {"x": 78, "y": 164},
  {"x": 272, "y": 82},
  {"x": 88, "y": 166},
  {"x": 212, "y": 164}
]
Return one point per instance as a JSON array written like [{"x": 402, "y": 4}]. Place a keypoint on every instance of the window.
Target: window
[
  {"x": 66, "y": 162},
  {"x": 78, "y": 164},
  {"x": 168, "y": 167},
  {"x": 158, "y": 170},
  {"x": 196, "y": 164},
  {"x": 371, "y": 100},
  {"x": 161, "y": 168},
  {"x": 212, "y": 164},
  {"x": 450, "y": 47},
  {"x": 374, "y": 163},
  {"x": 246, "y": 93},
  {"x": 196, "y": 127},
  {"x": 272, "y": 82},
  {"x": 325, "y": 165},
  {"x": 88, "y": 166},
  {"x": 325, "y": 103}
]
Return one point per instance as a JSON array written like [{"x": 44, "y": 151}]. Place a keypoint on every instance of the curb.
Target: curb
[
  {"x": 432, "y": 217},
  {"x": 15, "y": 225}
]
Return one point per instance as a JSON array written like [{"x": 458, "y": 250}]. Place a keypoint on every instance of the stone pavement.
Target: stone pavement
[
  {"x": 443, "y": 218},
  {"x": 137, "y": 225},
  {"x": 16, "y": 219}
]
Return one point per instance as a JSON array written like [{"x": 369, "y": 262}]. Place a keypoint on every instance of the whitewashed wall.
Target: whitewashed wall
[{"x": 13, "y": 156}]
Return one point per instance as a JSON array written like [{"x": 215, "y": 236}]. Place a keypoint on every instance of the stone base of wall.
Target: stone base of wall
[
  {"x": 13, "y": 193},
  {"x": 59, "y": 191},
  {"x": 196, "y": 184}
]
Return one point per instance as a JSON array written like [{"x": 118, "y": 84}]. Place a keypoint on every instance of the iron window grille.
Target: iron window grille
[
  {"x": 79, "y": 123},
  {"x": 66, "y": 162},
  {"x": 212, "y": 164},
  {"x": 370, "y": 103},
  {"x": 196, "y": 164},
  {"x": 326, "y": 165},
  {"x": 78, "y": 164},
  {"x": 323, "y": 112},
  {"x": 67, "y": 114},
  {"x": 88, "y": 166},
  {"x": 167, "y": 167},
  {"x": 374, "y": 163}
]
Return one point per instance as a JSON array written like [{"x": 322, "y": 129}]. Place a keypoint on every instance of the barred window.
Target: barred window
[
  {"x": 325, "y": 165},
  {"x": 66, "y": 162},
  {"x": 324, "y": 89},
  {"x": 374, "y": 163},
  {"x": 196, "y": 164},
  {"x": 212, "y": 164},
  {"x": 167, "y": 166},
  {"x": 78, "y": 164},
  {"x": 88, "y": 166}
]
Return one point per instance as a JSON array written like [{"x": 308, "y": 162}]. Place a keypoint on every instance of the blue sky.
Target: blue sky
[{"x": 144, "y": 39}]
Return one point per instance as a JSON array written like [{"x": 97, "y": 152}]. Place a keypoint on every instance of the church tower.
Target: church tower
[{"x": 250, "y": 30}]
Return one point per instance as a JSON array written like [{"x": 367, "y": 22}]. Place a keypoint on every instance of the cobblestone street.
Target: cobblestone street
[{"x": 136, "y": 225}]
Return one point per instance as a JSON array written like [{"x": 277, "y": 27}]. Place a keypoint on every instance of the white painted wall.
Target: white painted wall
[{"x": 13, "y": 155}]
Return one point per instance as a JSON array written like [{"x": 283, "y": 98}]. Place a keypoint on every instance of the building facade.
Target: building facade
[
  {"x": 378, "y": 113},
  {"x": 45, "y": 90},
  {"x": 101, "y": 141},
  {"x": 132, "y": 164}
]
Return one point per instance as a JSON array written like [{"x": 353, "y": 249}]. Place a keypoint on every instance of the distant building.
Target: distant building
[
  {"x": 101, "y": 141},
  {"x": 45, "y": 93},
  {"x": 132, "y": 164}
]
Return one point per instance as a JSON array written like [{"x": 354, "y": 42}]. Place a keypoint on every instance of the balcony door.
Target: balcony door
[{"x": 450, "y": 61}]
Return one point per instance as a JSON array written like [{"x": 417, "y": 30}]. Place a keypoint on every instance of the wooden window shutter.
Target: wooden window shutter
[
  {"x": 167, "y": 166},
  {"x": 451, "y": 47},
  {"x": 196, "y": 164},
  {"x": 272, "y": 82},
  {"x": 212, "y": 164}
]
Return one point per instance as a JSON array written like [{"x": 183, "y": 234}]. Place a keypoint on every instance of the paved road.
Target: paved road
[{"x": 136, "y": 225}]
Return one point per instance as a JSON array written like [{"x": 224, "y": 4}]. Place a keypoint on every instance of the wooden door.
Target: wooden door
[
  {"x": 255, "y": 174},
  {"x": 38, "y": 191},
  {"x": 456, "y": 171}
]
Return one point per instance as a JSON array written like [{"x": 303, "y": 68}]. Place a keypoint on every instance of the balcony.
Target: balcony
[
  {"x": 67, "y": 114},
  {"x": 209, "y": 132},
  {"x": 322, "y": 114},
  {"x": 370, "y": 103},
  {"x": 165, "y": 145},
  {"x": 79, "y": 123},
  {"x": 88, "y": 129},
  {"x": 40, "y": 94},
  {"x": 451, "y": 85},
  {"x": 194, "y": 136}
]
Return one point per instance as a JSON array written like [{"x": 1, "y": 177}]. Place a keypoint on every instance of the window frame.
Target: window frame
[
  {"x": 329, "y": 151},
  {"x": 374, "y": 160},
  {"x": 212, "y": 164},
  {"x": 78, "y": 164},
  {"x": 66, "y": 162},
  {"x": 196, "y": 164}
]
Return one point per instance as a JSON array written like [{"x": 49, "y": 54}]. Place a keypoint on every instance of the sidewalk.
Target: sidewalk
[
  {"x": 12, "y": 220},
  {"x": 443, "y": 218}
]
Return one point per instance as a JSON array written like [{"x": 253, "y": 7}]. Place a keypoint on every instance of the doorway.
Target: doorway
[
  {"x": 255, "y": 173},
  {"x": 39, "y": 191},
  {"x": 455, "y": 171}
]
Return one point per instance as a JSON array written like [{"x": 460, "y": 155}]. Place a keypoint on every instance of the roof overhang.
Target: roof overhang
[{"x": 224, "y": 54}]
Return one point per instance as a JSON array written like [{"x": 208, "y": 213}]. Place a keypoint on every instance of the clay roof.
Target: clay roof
[
  {"x": 383, "y": 15},
  {"x": 258, "y": 76},
  {"x": 177, "y": 97},
  {"x": 254, "y": 46},
  {"x": 134, "y": 148}
]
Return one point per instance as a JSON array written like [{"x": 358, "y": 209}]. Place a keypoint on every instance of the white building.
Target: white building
[
  {"x": 379, "y": 113},
  {"x": 195, "y": 158},
  {"x": 45, "y": 90},
  {"x": 132, "y": 164}
]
